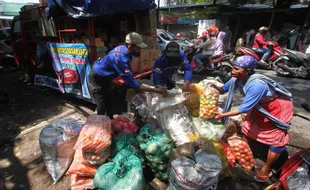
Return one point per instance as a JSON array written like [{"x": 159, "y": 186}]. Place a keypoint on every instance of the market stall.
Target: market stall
[{"x": 83, "y": 33}]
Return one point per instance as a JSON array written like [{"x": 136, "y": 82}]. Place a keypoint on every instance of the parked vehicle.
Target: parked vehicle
[
  {"x": 6, "y": 52},
  {"x": 276, "y": 52},
  {"x": 293, "y": 63},
  {"x": 164, "y": 37},
  {"x": 222, "y": 68}
]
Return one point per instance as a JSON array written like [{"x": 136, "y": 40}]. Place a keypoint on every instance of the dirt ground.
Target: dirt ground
[{"x": 27, "y": 111}]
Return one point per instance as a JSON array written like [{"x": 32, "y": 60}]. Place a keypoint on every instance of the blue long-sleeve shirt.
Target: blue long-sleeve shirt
[
  {"x": 163, "y": 71},
  {"x": 256, "y": 91},
  {"x": 117, "y": 63}
]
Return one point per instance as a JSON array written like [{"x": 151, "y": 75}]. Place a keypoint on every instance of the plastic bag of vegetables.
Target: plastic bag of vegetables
[
  {"x": 211, "y": 129},
  {"x": 194, "y": 167},
  {"x": 242, "y": 152},
  {"x": 125, "y": 172},
  {"x": 208, "y": 103},
  {"x": 157, "y": 147},
  {"x": 126, "y": 141}
]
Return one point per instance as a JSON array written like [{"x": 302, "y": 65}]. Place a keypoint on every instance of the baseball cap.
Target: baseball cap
[
  {"x": 172, "y": 49},
  {"x": 134, "y": 38}
]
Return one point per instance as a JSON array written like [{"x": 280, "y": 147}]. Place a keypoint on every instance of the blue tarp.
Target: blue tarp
[{"x": 93, "y": 8}]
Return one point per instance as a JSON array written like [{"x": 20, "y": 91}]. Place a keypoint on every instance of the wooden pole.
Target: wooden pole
[
  {"x": 237, "y": 28},
  {"x": 271, "y": 20}
]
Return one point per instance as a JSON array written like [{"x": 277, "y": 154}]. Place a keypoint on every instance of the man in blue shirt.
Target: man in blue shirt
[
  {"x": 117, "y": 63},
  {"x": 166, "y": 65}
]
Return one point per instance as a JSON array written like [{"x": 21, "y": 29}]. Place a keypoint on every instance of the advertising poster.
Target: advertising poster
[{"x": 72, "y": 66}]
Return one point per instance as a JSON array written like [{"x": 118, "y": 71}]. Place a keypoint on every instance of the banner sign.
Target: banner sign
[{"x": 72, "y": 66}]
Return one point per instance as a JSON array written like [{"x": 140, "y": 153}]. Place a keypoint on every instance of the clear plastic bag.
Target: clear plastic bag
[
  {"x": 208, "y": 103},
  {"x": 56, "y": 142},
  {"x": 193, "y": 103},
  {"x": 242, "y": 152},
  {"x": 210, "y": 130},
  {"x": 299, "y": 180}
]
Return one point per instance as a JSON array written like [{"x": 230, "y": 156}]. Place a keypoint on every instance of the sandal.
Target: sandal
[{"x": 262, "y": 178}]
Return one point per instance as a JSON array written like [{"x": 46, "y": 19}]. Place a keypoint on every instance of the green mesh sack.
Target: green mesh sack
[
  {"x": 156, "y": 147},
  {"x": 125, "y": 172},
  {"x": 126, "y": 141}
]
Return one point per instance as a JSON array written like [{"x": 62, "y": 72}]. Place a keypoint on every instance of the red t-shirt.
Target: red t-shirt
[{"x": 259, "y": 41}]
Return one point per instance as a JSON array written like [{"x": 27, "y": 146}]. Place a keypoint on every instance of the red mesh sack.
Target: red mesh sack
[
  {"x": 242, "y": 152},
  {"x": 123, "y": 125}
]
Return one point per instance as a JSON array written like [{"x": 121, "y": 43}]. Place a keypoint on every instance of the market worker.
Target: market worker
[
  {"x": 117, "y": 63},
  {"x": 166, "y": 65},
  {"x": 268, "y": 106}
]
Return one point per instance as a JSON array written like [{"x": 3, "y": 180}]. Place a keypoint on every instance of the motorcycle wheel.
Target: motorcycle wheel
[{"x": 280, "y": 72}]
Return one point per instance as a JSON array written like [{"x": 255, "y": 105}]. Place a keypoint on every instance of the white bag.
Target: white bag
[
  {"x": 173, "y": 116},
  {"x": 56, "y": 142},
  {"x": 198, "y": 174}
]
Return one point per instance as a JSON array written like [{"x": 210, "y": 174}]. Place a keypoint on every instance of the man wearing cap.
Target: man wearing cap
[
  {"x": 117, "y": 63},
  {"x": 167, "y": 63}
]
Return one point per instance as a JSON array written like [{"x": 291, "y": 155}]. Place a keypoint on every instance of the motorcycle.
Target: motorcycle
[
  {"x": 293, "y": 64},
  {"x": 222, "y": 67},
  {"x": 276, "y": 52},
  {"x": 294, "y": 173}
]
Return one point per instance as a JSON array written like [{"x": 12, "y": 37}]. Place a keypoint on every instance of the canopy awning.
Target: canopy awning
[
  {"x": 94, "y": 8},
  {"x": 6, "y": 17}
]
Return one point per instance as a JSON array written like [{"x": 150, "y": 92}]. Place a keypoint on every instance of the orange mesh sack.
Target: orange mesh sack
[
  {"x": 242, "y": 152},
  {"x": 95, "y": 136},
  {"x": 81, "y": 182},
  {"x": 80, "y": 167}
]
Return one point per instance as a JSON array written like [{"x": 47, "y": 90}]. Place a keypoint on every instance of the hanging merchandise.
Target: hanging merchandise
[
  {"x": 209, "y": 129},
  {"x": 157, "y": 147},
  {"x": 125, "y": 172},
  {"x": 194, "y": 167},
  {"x": 56, "y": 142},
  {"x": 95, "y": 139},
  {"x": 129, "y": 142},
  {"x": 173, "y": 116},
  {"x": 242, "y": 152}
]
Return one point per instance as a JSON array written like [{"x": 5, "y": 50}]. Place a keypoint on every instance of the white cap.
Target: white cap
[{"x": 134, "y": 38}]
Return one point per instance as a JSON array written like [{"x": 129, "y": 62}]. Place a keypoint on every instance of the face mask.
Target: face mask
[{"x": 241, "y": 76}]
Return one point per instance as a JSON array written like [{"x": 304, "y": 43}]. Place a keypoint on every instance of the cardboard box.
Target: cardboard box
[
  {"x": 98, "y": 42},
  {"x": 144, "y": 60},
  {"x": 134, "y": 65}
]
